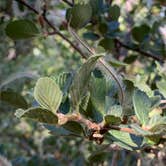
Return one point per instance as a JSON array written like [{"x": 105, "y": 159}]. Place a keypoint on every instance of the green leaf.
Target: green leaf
[
  {"x": 97, "y": 7},
  {"x": 13, "y": 98},
  {"x": 116, "y": 63},
  {"x": 150, "y": 137},
  {"x": 21, "y": 29},
  {"x": 142, "y": 106},
  {"x": 64, "y": 81},
  {"x": 79, "y": 15},
  {"x": 140, "y": 131},
  {"x": 89, "y": 111},
  {"x": 162, "y": 87},
  {"x": 38, "y": 114},
  {"x": 107, "y": 44},
  {"x": 114, "y": 12},
  {"x": 155, "y": 101},
  {"x": 140, "y": 33},
  {"x": 140, "y": 81},
  {"x": 58, "y": 131},
  {"x": 85, "y": 101},
  {"x": 126, "y": 140},
  {"x": 157, "y": 124},
  {"x": 128, "y": 93},
  {"x": 114, "y": 115},
  {"x": 130, "y": 59},
  {"x": 81, "y": 80},
  {"x": 74, "y": 127},
  {"x": 98, "y": 93},
  {"x": 91, "y": 36},
  {"x": 48, "y": 94}
]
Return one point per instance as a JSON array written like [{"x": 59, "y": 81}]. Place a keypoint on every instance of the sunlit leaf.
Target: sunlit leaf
[{"x": 48, "y": 94}]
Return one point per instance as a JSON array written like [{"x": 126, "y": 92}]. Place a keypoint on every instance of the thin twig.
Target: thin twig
[
  {"x": 156, "y": 57},
  {"x": 55, "y": 30},
  {"x": 89, "y": 124}
]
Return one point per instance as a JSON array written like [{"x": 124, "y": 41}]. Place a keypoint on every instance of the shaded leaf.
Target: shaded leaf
[
  {"x": 48, "y": 94},
  {"x": 81, "y": 80},
  {"x": 107, "y": 43},
  {"x": 91, "y": 36},
  {"x": 14, "y": 99},
  {"x": 114, "y": 12},
  {"x": 98, "y": 157},
  {"x": 140, "y": 33},
  {"x": 60, "y": 131},
  {"x": 38, "y": 114},
  {"x": 114, "y": 115},
  {"x": 116, "y": 63},
  {"x": 98, "y": 93},
  {"x": 64, "y": 81},
  {"x": 130, "y": 59},
  {"x": 79, "y": 15},
  {"x": 74, "y": 127},
  {"x": 126, "y": 140},
  {"x": 21, "y": 29},
  {"x": 97, "y": 7}
]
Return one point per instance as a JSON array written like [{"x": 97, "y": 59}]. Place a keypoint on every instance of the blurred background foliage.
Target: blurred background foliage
[{"x": 132, "y": 24}]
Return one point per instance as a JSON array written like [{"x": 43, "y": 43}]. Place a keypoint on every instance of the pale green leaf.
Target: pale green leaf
[{"x": 48, "y": 94}]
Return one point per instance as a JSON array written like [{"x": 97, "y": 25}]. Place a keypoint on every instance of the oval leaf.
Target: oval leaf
[
  {"x": 142, "y": 106},
  {"x": 126, "y": 140},
  {"x": 48, "y": 94},
  {"x": 79, "y": 15},
  {"x": 13, "y": 98},
  {"x": 38, "y": 114},
  {"x": 21, "y": 29}
]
